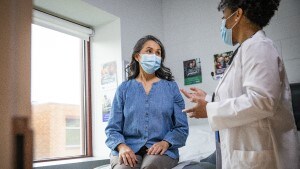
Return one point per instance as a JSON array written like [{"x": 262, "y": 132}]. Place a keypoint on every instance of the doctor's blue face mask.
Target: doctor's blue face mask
[
  {"x": 226, "y": 34},
  {"x": 150, "y": 62}
]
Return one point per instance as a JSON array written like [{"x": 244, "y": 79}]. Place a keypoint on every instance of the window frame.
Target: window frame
[
  {"x": 86, "y": 110},
  {"x": 88, "y": 101}
]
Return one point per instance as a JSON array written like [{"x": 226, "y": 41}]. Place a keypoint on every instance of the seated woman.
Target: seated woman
[{"x": 146, "y": 125}]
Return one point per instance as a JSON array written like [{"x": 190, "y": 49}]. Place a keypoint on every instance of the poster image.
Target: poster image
[
  {"x": 192, "y": 71},
  {"x": 221, "y": 63},
  {"x": 107, "y": 104},
  {"x": 109, "y": 75}
]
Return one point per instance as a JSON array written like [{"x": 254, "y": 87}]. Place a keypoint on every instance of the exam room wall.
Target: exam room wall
[
  {"x": 192, "y": 30},
  {"x": 138, "y": 18},
  {"x": 105, "y": 47}
]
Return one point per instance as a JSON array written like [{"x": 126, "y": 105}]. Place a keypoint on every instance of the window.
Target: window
[{"x": 60, "y": 90}]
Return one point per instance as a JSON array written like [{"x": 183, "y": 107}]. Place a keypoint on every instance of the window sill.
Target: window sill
[{"x": 62, "y": 163}]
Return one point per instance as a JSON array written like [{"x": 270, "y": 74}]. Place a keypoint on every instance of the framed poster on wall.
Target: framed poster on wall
[
  {"x": 107, "y": 99},
  {"x": 109, "y": 75},
  {"x": 221, "y": 63},
  {"x": 192, "y": 71}
]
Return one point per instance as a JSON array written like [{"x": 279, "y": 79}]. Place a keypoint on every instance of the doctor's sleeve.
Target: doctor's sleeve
[
  {"x": 261, "y": 83},
  {"x": 114, "y": 128}
]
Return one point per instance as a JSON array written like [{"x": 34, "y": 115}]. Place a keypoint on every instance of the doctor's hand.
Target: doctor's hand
[
  {"x": 199, "y": 110},
  {"x": 195, "y": 92},
  {"x": 158, "y": 148},
  {"x": 196, "y": 96},
  {"x": 126, "y": 155}
]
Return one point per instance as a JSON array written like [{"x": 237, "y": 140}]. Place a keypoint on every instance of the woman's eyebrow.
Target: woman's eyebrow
[{"x": 152, "y": 48}]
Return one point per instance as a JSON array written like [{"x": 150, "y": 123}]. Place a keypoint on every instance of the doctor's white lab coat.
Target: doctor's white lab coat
[{"x": 253, "y": 111}]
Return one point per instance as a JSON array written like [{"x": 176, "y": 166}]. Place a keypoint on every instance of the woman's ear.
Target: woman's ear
[{"x": 137, "y": 57}]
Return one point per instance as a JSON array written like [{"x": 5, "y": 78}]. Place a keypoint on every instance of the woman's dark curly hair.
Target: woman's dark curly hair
[
  {"x": 259, "y": 12},
  {"x": 134, "y": 68}
]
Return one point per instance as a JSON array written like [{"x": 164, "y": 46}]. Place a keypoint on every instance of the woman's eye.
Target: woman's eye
[{"x": 158, "y": 53}]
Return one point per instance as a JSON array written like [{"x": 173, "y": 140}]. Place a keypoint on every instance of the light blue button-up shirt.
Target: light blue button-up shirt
[{"x": 138, "y": 119}]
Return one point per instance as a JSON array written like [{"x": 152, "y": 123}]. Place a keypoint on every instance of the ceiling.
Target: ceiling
[{"x": 76, "y": 11}]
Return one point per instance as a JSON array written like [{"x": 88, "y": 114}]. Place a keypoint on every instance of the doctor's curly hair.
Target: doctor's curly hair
[{"x": 259, "y": 12}]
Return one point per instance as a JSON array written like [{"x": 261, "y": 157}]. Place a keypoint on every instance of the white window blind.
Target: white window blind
[{"x": 61, "y": 25}]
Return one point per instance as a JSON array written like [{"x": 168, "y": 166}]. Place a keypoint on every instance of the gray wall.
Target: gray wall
[
  {"x": 105, "y": 47},
  {"x": 138, "y": 18},
  {"x": 285, "y": 31},
  {"x": 191, "y": 30}
]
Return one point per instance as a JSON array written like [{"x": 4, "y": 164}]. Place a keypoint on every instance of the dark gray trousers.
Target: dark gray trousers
[{"x": 146, "y": 162}]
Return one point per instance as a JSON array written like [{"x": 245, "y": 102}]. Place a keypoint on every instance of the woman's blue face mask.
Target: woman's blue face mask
[
  {"x": 150, "y": 62},
  {"x": 226, "y": 34}
]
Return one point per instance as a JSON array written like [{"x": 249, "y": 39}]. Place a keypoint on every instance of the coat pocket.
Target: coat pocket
[{"x": 253, "y": 159}]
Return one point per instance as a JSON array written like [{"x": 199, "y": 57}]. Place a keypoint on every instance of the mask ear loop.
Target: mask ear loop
[
  {"x": 231, "y": 15},
  {"x": 234, "y": 24},
  {"x": 234, "y": 20}
]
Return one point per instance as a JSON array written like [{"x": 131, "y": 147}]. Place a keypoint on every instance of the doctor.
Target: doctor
[{"x": 252, "y": 103}]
